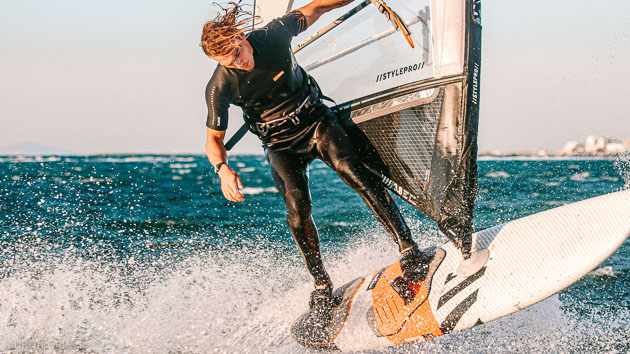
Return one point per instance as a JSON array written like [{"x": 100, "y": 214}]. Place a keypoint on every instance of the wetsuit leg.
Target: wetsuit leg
[
  {"x": 290, "y": 174},
  {"x": 335, "y": 148}
]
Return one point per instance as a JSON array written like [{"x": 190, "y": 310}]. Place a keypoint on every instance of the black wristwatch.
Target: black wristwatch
[{"x": 218, "y": 166}]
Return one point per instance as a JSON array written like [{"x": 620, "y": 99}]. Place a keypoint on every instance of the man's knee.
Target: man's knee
[
  {"x": 353, "y": 172},
  {"x": 298, "y": 205}
]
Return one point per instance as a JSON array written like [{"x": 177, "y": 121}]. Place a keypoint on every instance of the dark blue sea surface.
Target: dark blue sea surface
[{"x": 143, "y": 254}]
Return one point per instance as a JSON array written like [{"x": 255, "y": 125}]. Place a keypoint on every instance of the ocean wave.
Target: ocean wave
[
  {"x": 340, "y": 223},
  {"x": 582, "y": 176},
  {"x": 555, "y": 203},
  {"x": 140, "y": 159},
  {"x": 547, "y": 158},
  {"x": 20, "y": 158},
  {"x": 498, "y": 174},
  {"x": 182, "y": 166},
  {"x": 215, "y": 301},
  {"x": 95, "y": 180},
  {"x": 258, "y": 190},
  {"x": 603, "y": 271},
  {"x": 241, "y": 301}
]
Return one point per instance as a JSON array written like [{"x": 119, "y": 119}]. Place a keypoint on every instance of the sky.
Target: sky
[{"x": 119, "y": 76}]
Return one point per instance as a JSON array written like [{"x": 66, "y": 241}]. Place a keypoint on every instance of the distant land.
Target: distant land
[
  {"x": 592, "y": 146},
  {"x": 29, "y": 148}
]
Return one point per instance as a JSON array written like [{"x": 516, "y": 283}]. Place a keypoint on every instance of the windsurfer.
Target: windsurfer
[{"x": 283, "y": 106}]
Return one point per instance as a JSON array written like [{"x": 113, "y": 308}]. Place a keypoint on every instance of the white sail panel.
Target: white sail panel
[
  {"x": 270, "y": 9},
  {"x": 450, "y": 30},
  {"x": 365, "y": 55}
]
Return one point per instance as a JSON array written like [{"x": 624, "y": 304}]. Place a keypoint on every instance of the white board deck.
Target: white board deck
[{"x": 530, "y": 259}]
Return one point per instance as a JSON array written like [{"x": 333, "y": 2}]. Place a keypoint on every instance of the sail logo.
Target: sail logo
[
  {"x": 403, "y": 193},
  {"x": 400, "y": 71},
  {"x": 475, "y": 84}
]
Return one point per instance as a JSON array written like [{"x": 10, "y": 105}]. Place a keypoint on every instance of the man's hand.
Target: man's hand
[
  {"x": 230, "y": 181},
  {"x": 313, "y": 10},
  {"x": 230, "y": 184}
]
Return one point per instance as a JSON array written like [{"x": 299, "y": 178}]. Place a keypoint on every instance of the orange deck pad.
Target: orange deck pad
[{"x": 396, "y": 321}]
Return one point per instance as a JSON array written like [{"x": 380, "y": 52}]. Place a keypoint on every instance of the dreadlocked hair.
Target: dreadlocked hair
[{"x": 220, "y": 36}]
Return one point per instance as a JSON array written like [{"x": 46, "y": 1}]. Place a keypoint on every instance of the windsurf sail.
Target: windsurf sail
[{"x": 413, "y": 112}]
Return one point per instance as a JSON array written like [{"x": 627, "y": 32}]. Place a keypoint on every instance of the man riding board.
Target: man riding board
[{"x": 283, "y": 107}]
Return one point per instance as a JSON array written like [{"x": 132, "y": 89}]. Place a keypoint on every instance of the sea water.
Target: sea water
[{"x": 143, "y": 254}]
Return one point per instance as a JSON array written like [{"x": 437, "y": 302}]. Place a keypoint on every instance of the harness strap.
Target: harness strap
[{"x": 240, "y": 133}]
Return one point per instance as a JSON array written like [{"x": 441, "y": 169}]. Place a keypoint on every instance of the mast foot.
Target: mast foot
[{"x": 472, "y": 264}]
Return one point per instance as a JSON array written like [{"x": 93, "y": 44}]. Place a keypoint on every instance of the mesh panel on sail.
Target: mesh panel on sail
[
  {"x": 404, "y": 142},
  {"x": 419, "y": 145}
]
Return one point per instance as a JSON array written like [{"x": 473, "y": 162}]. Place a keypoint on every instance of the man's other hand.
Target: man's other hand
[{"x": 230, "y": 184}]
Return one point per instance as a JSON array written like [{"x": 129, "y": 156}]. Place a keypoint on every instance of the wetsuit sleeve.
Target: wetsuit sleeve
[
  {"x": 286, "y": 27},
  {"x": 218, "y": 99}
]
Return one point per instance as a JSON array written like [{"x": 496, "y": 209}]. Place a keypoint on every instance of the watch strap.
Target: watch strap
[{"x": 218, "y": 166}]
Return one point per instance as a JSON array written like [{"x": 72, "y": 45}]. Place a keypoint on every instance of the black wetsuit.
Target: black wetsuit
[{"x": 276, "y": 86}]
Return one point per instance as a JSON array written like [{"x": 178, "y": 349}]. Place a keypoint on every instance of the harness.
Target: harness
[
  {"x": 314, "y": 99},
  {"x": 264, "y": 127}
]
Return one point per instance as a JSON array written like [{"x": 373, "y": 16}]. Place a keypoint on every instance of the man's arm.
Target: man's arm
[
  {"x": 313, "y": 10},
  {"x": 230, "y": 180}
]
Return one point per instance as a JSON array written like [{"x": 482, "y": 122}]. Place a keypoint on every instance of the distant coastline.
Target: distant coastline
[{"x": 592, "y": 146}]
